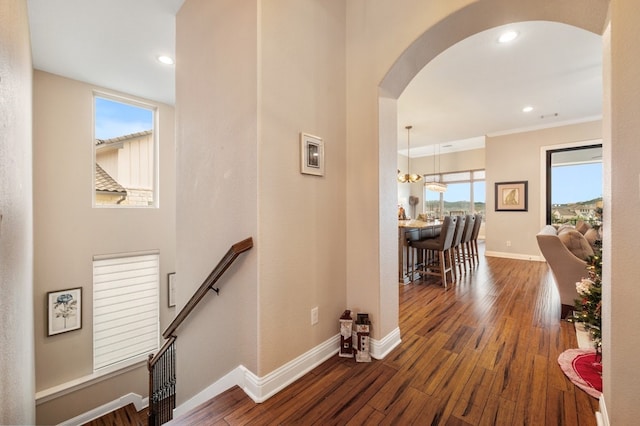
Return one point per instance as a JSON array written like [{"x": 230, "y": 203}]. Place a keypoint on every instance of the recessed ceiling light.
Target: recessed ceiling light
[
  {"x": 528, "y": 108},
  {"x": 166, "y": 60},
  {"x": 507, "y": 36}
]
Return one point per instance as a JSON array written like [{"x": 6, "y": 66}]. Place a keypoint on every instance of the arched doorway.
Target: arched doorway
[{"x": 469, "y": 20}]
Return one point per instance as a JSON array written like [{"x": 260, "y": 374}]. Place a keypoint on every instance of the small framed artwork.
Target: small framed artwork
[
  {"x": 64, "y": 310},
  {"x": 172, "y": 289},
  {"x": 511, "y": 196},
  {"x": 311, "y": 155}
]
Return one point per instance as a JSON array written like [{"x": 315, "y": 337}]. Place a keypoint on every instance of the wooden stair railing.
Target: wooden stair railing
[{"x": 161, "y": 366}]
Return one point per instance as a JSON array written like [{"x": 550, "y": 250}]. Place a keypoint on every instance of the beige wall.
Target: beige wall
[
  {"x": 518, "y": 157},
  {"x": 301, "y": 217},
  {"x": 16, "y": 213},
  {"x": 249, "y": 157},
  {"x": 621, "y": 298},
  {"x": 217, "y": 172},
  {"x": 68, "y": 232}
]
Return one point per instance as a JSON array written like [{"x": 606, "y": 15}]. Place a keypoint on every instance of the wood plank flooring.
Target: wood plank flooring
[
  {"x": 482, "y": 352},
  {"x": 125, "y": 416}
]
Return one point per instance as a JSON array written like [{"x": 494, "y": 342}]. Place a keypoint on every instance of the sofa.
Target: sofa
[{"x": 566, "y": 250}]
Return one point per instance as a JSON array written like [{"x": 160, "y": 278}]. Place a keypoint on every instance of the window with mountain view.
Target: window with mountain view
[
  {"x": 465, "y": 194},
  {"x": 574, "y": 185}
]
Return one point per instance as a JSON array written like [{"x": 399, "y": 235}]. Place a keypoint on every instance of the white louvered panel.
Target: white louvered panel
[
  {"x": 120, "y": 295},
  {"x": 125, "y": 305},
  {"x": 123, "y": 319},
  {"x": 122, "y": 336},
  {"x": 122, "y": 353},
  {"x": 125, "y": 308},
  {"x": 138, "y": 317}
]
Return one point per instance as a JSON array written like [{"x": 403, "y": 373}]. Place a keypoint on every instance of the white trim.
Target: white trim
[
  {"x": 259, "y": 389},
  {"x": 546, "y": 126},
  {"x": 89, "y": 380},
  {"x": 381, "y": 348},
  {"x": 231, "y": 379},
  {"x": 127, "y": 254},
  {"x": 262, "y": 388},
  {"x": 130, "y": 398},
  {"x": 602, "y": 418},
  {"x": 517, "y": 256}
]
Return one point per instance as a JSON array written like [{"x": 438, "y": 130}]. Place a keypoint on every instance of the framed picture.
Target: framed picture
[
  {"x": 64, "y": 310},
  {"x": 172, "y": 289},
  {"x": 311, "y": 155},
  {"x": 511, "y": 196}
]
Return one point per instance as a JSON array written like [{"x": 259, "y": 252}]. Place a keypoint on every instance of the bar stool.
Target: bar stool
[
  {"x": 474, "y": 238},
  {"x": 465, "y": 245},
  {"x": 455, "y": 246},
  {"x": 440, "y": 264}
]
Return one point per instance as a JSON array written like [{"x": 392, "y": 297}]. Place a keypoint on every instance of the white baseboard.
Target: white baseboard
[
  {"x": 130, "y": 398},
  {"x": 516, "y": 256},
  {"x": 233, "y": 378},
  {"x": 257, "y": 388},
  {"x": 381, "y": 348},
  {"x": 260, "y": 389},
  {"x": 602, "y": 418}
]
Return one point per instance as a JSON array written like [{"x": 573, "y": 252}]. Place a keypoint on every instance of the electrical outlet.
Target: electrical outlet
[
  {"x": 508, "y": 243},
  {"x": 314, "y": 316}
]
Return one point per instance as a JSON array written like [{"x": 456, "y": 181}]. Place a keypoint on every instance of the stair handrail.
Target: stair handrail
[{"x": 234, "y": 251}]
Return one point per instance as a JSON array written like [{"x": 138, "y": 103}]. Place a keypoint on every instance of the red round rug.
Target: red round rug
[{"x": 584, "y": 368}]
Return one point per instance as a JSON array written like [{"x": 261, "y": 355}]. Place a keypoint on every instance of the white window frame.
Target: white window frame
[{"x": 156, "y": 147}]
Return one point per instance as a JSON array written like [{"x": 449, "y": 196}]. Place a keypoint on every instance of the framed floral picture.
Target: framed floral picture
[
  {"x": 64, "y": 310},
  {"x": 511, "y": 196},
  {"x": 311, "y": 155}
]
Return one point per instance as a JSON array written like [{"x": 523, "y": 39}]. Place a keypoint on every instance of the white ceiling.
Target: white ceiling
[
  {"x": 478, "y": 87},
  {"x": 110, "y": 43},
  {"x": 475, "y": 88}
]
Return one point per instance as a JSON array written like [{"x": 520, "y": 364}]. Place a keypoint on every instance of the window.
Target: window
[
  {"x": 574, "y": 185},
  {"x": 125, "y": 143},
  {"x": 465, "y": 194},
  {"x": 125, "y": 308}
]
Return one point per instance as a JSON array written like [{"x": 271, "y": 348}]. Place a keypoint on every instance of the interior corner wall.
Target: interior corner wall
[
  {"x": 217, "y": 172},
  {"x": 302, "y": 218},
  {"x": 518, "y": 157},
  {"x": 68, "y": 232},
  {"x": 17, "y": 378},
  {"x": 621, "y": 298}
]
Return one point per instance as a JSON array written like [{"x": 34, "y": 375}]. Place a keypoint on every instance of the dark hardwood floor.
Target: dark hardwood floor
[
  {"x": 125, "y": 416},
  {"x": 482, "y": 352}
]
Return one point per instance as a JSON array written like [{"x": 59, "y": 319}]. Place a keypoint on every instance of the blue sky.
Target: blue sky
[
  {"x": 118, "y": 119},
  {"x": 460, "y": 192},
  {"x": 580, "y": 182},
  {"x": 574, "y": 183}
]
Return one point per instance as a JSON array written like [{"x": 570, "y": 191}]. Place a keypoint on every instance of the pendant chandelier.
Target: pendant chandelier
[
  {"x": 408, "y": 177},
  {"x": 436, "y": 186}
]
